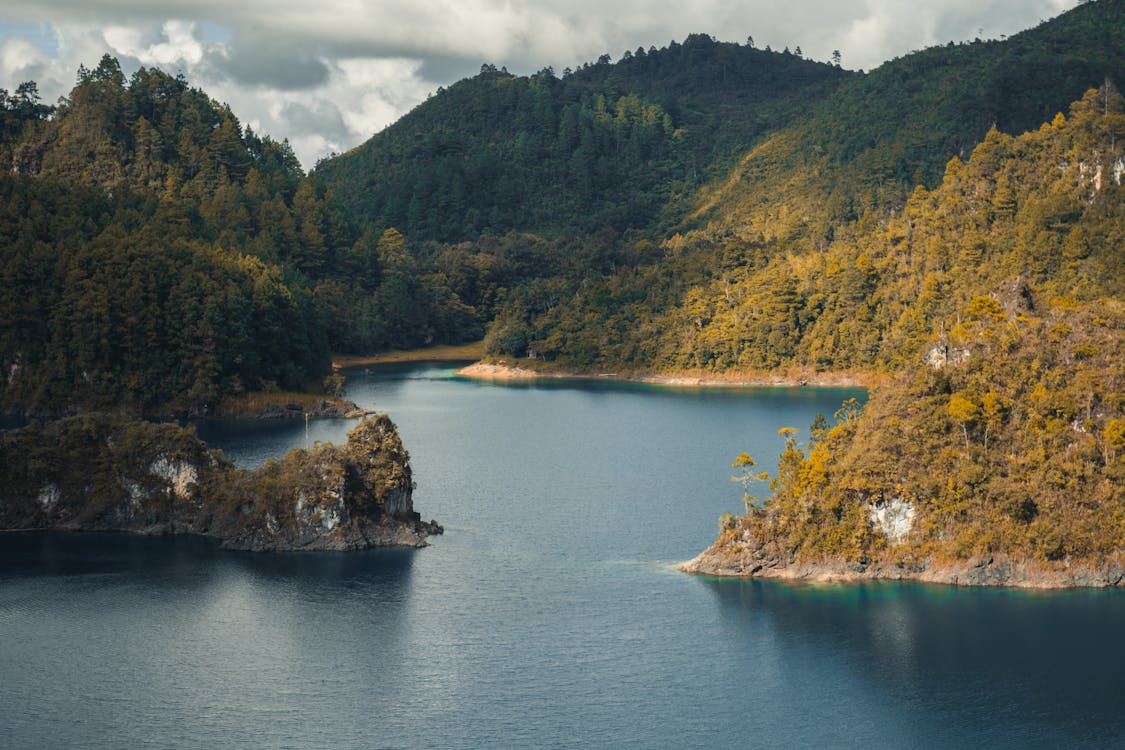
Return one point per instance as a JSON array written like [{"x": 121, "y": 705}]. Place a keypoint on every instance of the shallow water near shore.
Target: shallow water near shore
[{"x": 548, "y": 615}]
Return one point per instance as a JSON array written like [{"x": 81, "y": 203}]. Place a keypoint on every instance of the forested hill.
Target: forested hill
[
  {"x": 703, "y": 206},
  {"x": 996, "y": 454},
  {"x": 756, "y": 277},
  {"x": 156, "y": 255},
  {"x": 640, "y": 143},
  {"x": 868, "y": 143},
  {"x": 612, "y": 145}
]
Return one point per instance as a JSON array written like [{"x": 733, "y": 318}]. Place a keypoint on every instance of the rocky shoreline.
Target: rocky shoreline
[
  {"x": 993, "y": 571},
  {"x": 503, "y": 371},
  {"x": 106, "y": 473}
]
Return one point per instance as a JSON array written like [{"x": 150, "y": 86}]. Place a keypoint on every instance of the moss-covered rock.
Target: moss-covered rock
[{"x": 103, "y": 473}]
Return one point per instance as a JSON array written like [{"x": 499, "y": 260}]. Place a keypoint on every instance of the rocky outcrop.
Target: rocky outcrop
[
  {"x": 99, "y": 473},
  {"x": 894, "y": 517},
  {"x": 335, "y": 498},
  {"x": 746, "y": 559}
]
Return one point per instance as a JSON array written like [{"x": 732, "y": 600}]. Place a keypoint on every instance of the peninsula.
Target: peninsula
[{"x": 103, "y": 473}]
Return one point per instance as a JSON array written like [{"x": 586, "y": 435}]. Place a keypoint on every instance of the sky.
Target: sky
[{"x": 328, "y": 74}]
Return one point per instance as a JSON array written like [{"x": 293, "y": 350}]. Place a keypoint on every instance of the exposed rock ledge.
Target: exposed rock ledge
[
  {"x": 757, "y": 562},
  {"x": 100, "y": 473}
]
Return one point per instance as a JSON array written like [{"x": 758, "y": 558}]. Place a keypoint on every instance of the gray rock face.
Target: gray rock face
[
  {"x": 894, "y": 517},
  {"x": 107, "y": 474}
]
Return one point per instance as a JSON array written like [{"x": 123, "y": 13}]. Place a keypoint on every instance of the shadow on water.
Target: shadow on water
[
  {"x": 60, "y": 554},
  {"x": 333, "y": 569},
  {"x": 397, "y": 374},
  {"x": 607, "y": 385},
  {"x": 1049, "y": 661},
  {"x": 182, "y": 559}
]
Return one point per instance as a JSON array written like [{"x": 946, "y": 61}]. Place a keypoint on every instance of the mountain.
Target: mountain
[
  {"x": 606, "y": 146},
  {"x": 640, "y": 143},
  {"x": 156, "y": 255},
  {"x": 705, "y": 206},
  {"x": 868, "y": 143},
  {"x": 765, "y": 272}
]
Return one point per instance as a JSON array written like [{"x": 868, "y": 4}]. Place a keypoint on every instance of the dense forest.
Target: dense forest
[
  {"x": 158, "y": 256},
  {"x": 728, "y": 241},
  {"x": 875, "y": 293},
  {"x": 607, "y": 147},
  {"x": 1004, "y": 433},
  {"x": 703, "y": 206}
]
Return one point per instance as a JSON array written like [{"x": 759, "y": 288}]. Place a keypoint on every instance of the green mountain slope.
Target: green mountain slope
[
  {"x": 156, "y": 255},
  {"x": 872, "y": 140},
  {"x": 704, "y": 206},
  {"x": 609, "y": 145},
  {"x": 767, "y": 272}
]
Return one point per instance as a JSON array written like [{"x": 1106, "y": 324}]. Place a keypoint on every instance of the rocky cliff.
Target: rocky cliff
[{"x": 101, "y": 473}]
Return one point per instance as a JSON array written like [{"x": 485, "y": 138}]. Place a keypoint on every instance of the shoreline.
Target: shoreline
[
  {"x": 997, "y": 571},
  {"x": 502, "y": 371}
]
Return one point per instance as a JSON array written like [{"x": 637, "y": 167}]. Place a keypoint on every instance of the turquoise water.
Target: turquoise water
[{"x": 549, "y": 615}]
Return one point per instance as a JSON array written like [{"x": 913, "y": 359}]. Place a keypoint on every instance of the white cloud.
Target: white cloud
[
  {"x": 178, "y": 46},
  {"x": 20, "y": 59},
  {"x": 329, "y": 74}
]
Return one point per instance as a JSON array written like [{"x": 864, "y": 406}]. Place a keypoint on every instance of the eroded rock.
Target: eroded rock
[{"x": 107, "y": 474}]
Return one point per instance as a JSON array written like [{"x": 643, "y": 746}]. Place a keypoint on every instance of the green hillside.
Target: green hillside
[
  {"x": 766, "y": 272},
  {"x": 705, "y": 206},
  {"x": 1003, "y": 430},
  {"x": 156, "y": 255},
  {"x": 872, "y": 140},
  {"x": 607, "y": 146}
]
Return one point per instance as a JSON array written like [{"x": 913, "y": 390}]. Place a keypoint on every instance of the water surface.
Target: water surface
[{"x": 549, "y": 615}]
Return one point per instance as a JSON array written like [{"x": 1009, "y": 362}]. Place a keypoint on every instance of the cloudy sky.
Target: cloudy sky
[{"x": 328, "y": 74}]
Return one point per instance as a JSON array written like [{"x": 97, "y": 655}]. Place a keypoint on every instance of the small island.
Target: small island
[{"x": 107, "y": 473}]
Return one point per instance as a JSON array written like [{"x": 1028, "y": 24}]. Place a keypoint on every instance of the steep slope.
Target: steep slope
[
  {"x": 873, "y": 139},
  {"x": 157, "y": 256},
  {"x": 693, "y": 207},
  {"x": 609, "y": 145},
  {"x": 997, "y": 454},
  {"x": 767, "y": 273}
]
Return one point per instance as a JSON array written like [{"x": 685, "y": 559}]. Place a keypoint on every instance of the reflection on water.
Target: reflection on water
[
  {"x": 1012, "y": 668},
  {"x": 174, "y": 561}
]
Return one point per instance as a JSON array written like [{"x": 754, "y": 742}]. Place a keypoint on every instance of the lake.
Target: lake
[{"x": 548, "y": 615}]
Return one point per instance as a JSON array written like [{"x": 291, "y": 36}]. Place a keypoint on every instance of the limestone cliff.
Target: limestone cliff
[{"x": 100, "y": 473}]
